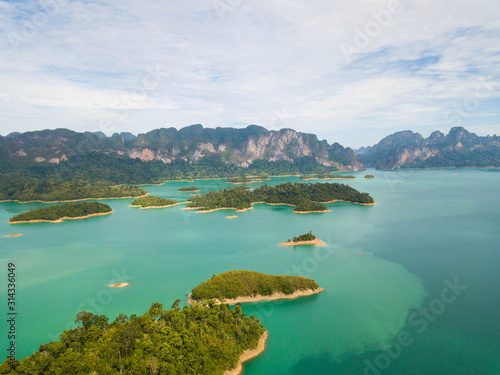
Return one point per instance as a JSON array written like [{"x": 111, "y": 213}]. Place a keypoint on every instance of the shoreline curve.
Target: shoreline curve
[
  {"x": 316, "y": 242},
  {"x": 248, "y": 355},
  {"x": 60, "y": 220},
  {"x": 259, "y": 298}
]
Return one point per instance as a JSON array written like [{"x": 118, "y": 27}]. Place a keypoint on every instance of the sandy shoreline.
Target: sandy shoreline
[
  {"x": 61, "y": 219},
  {"x": 328, "y": 178},
  {"x": 276, "y": 204},
  {"x": 217, "y": 209},
  {"x": 271, "y": 297},
  {"x": 73, "y": 200},
  {"x": 119, "y": 285},
  {"x": 249, "y": 354},
  {"x": 316, "y": 242},
  {"x": 168, "y": 205},
  {"x": 341, "y": 200}
]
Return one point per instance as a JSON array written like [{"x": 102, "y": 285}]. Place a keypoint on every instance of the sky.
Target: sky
[{"x": 351, "y": 71}]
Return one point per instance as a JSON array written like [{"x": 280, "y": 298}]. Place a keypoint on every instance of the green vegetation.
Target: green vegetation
[
  {"x": 303, "y": 237},
  {"x": 54, "y": 213},
  {"x": 152, "y": 201},
  {"x": 233, "y": 284},
  {"x": 306, "y": 205},
  {"x": 192, "y": 340},
  {"x": 188, "y": 189},
  {"x": 111, "y": 169},
  {"x": 239, "y": 197},
  {"x": 327, "y": 176},
  {"x": 25, "y": 190},
  {"x": 244, "y": 179},
  {"x": 305, "y": 196},
  {"x": 368, "y": 176},
  {"x": 239, "y": 180}
]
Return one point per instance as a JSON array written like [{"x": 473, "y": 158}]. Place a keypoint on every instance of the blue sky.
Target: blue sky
[{"x": 350, "y": 71}]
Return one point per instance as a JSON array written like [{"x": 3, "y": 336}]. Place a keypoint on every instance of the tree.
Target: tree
[
  {"x": 86, "y": 318},
  {"x": 155, "y": 310}
]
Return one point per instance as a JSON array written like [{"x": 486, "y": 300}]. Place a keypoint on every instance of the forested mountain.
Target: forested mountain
[
  {"x": 241, "y": 147},
  {"x": 197, "y": 152},
  {"x": 406, "y": 149}
]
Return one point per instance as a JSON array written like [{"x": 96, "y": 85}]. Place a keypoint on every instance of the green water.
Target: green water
[{"x": 382, "y": 264}]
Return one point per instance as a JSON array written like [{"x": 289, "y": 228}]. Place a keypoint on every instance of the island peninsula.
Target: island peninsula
[
  {"x": 56, "y": 214},
  {"x": 305, "y": 197},
  {"x": 153, "y": 202},
  {"x": 248, "y": 286}
]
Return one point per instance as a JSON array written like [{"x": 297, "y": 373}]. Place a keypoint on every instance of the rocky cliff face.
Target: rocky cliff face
[
  {"x": 238, "y": 146},
  {"x": 459, "y": 148}
]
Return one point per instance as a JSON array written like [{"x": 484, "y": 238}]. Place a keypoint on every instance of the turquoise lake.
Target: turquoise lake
[{"x": 412, "y": 284}]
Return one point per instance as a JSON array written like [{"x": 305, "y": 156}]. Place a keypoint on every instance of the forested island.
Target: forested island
[
  {"x": 51, "y": 191},
  {"x": 306, "y": 197},
  {"x": 303, "y": 239},
  {"x": 151, "y": 201},
  {"x": 57, "y": 213},
  {"x": 241, "y": 180},
  {"x": 369, "y": 176},
  {"x": 250, "y": 286},
  {"x": 188, "y": 189},
  {"x": 326, "y": 176},
  {"x": 192, "y": 340}
]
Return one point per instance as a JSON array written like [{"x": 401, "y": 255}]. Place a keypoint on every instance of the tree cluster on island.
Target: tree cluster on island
[
  {"x": 369, "y": 176},
  {"x": 192, "y": 340},
  {"x": 243, "y": 179},
  {"x": 304, "y": 196},
  {"x": 303, "y": 237},
  {"x": 25, "y": 190},
  {"x": 54, "y": 213},
  {"x": 188, "y": 189},
  {"x": 233, "y": 284},
  {"x": 152, "y": 201},
  {"x": 240, "y": 180},
  {"x": 326, "y": 176}
]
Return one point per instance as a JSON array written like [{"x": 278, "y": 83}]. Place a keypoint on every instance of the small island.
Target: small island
[
  {"x": 153, "y": 202},
  {"x": 56, "y": 214},
  {"x": 119, "y": 285},
  {"x": 189, "y": 189},
  {"x": 15, "y": 235},
  {"x": 241, "y": 180},
  {"x": 231, "y": 217},
  {"x": 326, "y": 176},
  {"x": 249, "y": 286},
  {"x": 304, "y": 239},
  {"x": 198, "y": 339},
  {"x": 305, "y": 197},
  {"x": 369, "y": 176}
]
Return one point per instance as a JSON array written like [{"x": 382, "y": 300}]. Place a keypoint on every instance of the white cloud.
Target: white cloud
[{"x": 136, "y": 66}]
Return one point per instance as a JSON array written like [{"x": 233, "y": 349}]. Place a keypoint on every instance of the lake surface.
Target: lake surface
[{"x": 411, "y": 284}]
